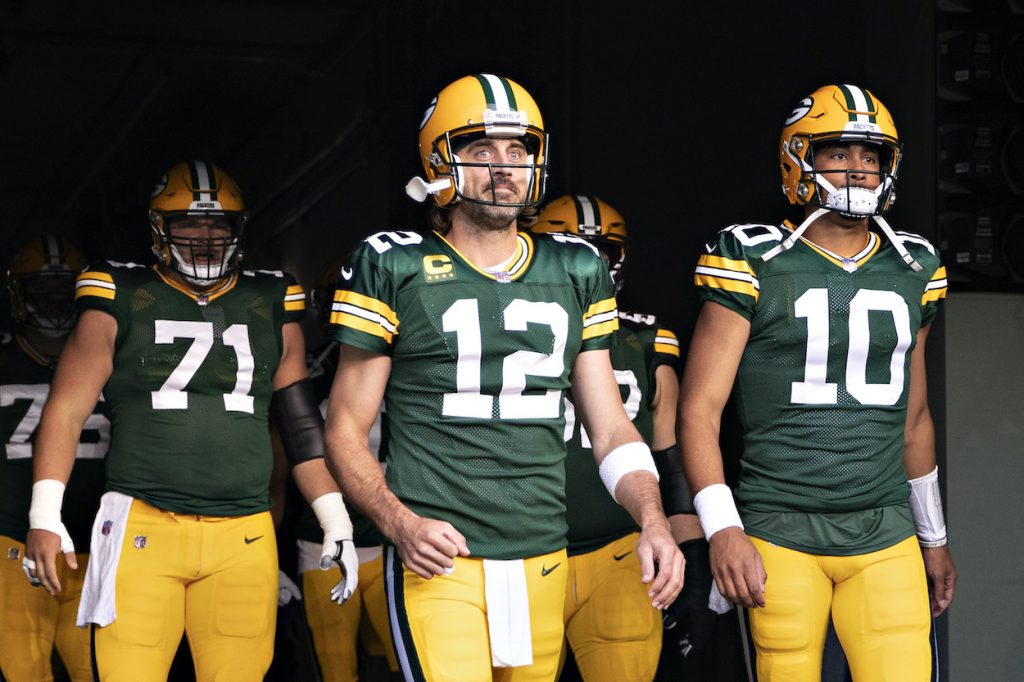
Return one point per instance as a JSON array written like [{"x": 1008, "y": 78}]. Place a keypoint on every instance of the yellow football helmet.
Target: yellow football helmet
[
  {"x": 197, "y": 189},
  {"x": 41, "y": 284},
  {"x": 471, "y": 107},
  {"x": 844, "y": 113},
  {"x": 592, "y": 219}
]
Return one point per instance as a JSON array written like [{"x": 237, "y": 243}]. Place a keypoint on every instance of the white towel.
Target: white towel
[
  {"x": 718, "y": 603},
  {"x": 97, "y": 604},
  {"x": 508, "y": 613}
]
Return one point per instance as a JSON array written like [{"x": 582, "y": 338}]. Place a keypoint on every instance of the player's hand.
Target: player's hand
[
  {"x": 343, "y": 553},
  {"x": 428, "y": 547},
  {"x": 737, "y": 568},
  {"x": 661, "y": 564},
  {"x": 688, "y": 621},
  {"x": 287, "y": 590},
  {"x": 40, "y": 562},
  {"x": 938, "y": 564}
]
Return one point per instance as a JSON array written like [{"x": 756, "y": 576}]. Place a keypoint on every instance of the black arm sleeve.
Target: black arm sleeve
[
  {"x": 299, "y": 422},
  {"x": 675, "y": 494}
]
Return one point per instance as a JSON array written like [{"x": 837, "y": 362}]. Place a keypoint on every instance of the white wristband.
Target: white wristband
[
  {"x": 926, "y": 506},
  {"x": 47, "y": 500},
  {"x": 623, "y": 460},
  {"x": 333, "y": 517},
  {"x": 716, "y": 509}
]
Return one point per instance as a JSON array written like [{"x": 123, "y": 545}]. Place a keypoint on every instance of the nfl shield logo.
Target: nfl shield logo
[
  {"x": 13, "y": 553},
  {"x": 140, "y": 542},
  {"x": 107, "y": 525},
  {"x": 502, "y": 277}
]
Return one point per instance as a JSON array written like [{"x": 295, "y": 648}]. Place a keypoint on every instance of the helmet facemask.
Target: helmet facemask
[
  {"x": 203, "y": 260},
  {"x": 850, "y": 200},
  {"x": 45, "y": 302},
  {"x": 534, "y": 140}
]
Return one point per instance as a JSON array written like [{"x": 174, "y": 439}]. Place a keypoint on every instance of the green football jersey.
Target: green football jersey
[
  {"x": 191, "y": 384},
  {"x": 25, "y": 378},
  {"x": 638, "y": 348},
  {"x": 480, "y": 362},
  {"x": 322, "y": 364},
  {"x": 823, "y": 382}
]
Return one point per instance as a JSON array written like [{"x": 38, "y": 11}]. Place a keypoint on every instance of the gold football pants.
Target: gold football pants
[
  {"x": 215, "y": 578},
  {"x": 33, "y": 621},
  {"x": 878, "y": 603},
  {"x": 440, "y": 625},
  {"x": 336, "y": 628},
  {"x": 610, "y": 624}
]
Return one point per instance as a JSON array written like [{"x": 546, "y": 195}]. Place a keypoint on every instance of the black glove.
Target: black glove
[{"x": 688, "y": 622}]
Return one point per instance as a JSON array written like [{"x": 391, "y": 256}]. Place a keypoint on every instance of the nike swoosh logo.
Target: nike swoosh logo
[
  {"x": 620, "y": 557},
  {"x": 249, "y": 541},
  {"x": 544, "y": 571},
  {"x": 346, "y": 273},
  {"x": 711, "y": 249}
]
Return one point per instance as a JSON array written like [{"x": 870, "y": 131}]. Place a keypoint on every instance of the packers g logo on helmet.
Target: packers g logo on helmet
[
  {"x": 41, "y": 285},
  {"x": 838, "y": 113},
  {"x": 471, "y": 107},
  {"x": 197, "y": 188},
  {"x": 594, "y": 220}
]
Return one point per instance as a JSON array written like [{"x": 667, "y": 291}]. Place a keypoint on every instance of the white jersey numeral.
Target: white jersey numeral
[
  {"x": 814, "y": 389},
  {"x": 631, "y": 403},
  {"x": 172, "y": 395},
  {"x": 20, "y": 444},
  {"x": 383, "y": 241},
  {"x": 463, "y": 319}
]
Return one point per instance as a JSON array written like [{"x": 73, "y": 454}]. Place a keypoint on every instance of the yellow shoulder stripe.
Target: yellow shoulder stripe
[
  {"x": 294, "y": 289},
  {"x": 940, "y": 273},
  {"x": 358, "y": 323},
  {"x": 99, "y": 292},
  {"x": 721, "y": 263},
  {"x": 604, "y": 306},
  {"x": 93, "y": 274},
  {"x": 366, "y": 303},
  {"x": 727, "y": 284},
  {"x": 600, "y": 329}
]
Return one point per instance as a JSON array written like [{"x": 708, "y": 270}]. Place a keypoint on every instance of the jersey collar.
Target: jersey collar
[
  {"x": 851, "y": 263},
  {"x": 518, "y": 265},
  {"x": 204, "y": 297}
]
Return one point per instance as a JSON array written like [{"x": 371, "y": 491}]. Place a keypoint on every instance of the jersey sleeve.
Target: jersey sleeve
[
  {"x": 600, "y": 312},
  {"x": 934, "y": 292},
  {"x": 724, "y": 275},
  {"x": 97, "y": 289},
  {"x": 363, "y": 309},
  {"x": 294, "y": 301},
  {"x": 665, "y": 350}
]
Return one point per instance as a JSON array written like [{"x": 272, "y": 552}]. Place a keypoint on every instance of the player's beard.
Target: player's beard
[{"x": 490, "y": 218}]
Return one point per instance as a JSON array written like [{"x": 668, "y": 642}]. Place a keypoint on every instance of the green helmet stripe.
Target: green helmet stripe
[
  {"x": 850, "y": 103},
  {"x": 488, "y": 91},
  {"x": 873, "y": 118},
  {"x": 509, "y": 94}
]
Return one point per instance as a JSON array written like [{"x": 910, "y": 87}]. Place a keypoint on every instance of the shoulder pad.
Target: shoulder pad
[{"x": 746, "y": 237}]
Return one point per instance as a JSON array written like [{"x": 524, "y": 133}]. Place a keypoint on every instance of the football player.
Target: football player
[
  {"x": 609, "y": 623},
  {"x": 192, "y": 354},
  {"x": 364, "y": 617},
  {"x": 472, "y": 333},
  {"x": 41, "y": 284},
  {"x": 823, "y": 324}
]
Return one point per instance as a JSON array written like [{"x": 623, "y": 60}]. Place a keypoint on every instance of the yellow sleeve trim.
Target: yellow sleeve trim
[
  {"x": 294, "y": 289},
  {"x": 294, "y": 305},
  {"x": 933, "y": 295},
  {"x": 666, "y": 349},
  {"x": 92, "y": 274},
  {"x": 366, "y": 303},
  {"x": 940, "y": 273},
  {"x": 604, "y": 306},
  {"x": 721, "y": 263},
  {"x": 359, "y": 324},
  {"x": 600, "y": 329},
  {"x": 727, "y": 284},
  {"x": 98, "y": 292},
  {"x": 667, "y": 333}
]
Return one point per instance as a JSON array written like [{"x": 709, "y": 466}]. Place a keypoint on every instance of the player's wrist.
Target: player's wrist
[
  {"x": 47, "y": 500},
  {"x": 330, "y": 511},
  {"x": 716, "y": 509},
  {"x": 926, "y": 507},
  {"x": 624, "y": 460}
]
